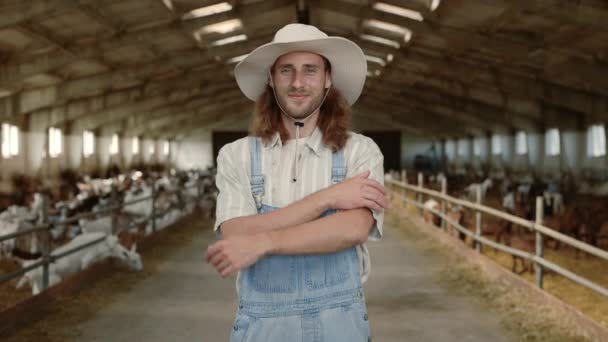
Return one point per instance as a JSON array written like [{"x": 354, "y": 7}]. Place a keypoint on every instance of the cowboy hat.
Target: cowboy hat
[{"x": 348, "y": 63}]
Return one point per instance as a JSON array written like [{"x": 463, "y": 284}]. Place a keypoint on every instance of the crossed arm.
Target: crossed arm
[{"x": 297, "y": 229}]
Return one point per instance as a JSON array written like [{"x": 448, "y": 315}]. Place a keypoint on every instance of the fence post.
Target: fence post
[
  {"x": 478, "y": 219},
  {"x": 153, "y": 206},
  {"x": 444, "y": 204},
  {"x": 199, "y": 191},
  {"x": 419, "y": 195},
  {"x": 539, "y": 241},
  {"x": 45, "y": 245},
  {"x": 404, "y": 176},
  {"x": 113, "y": 202}
]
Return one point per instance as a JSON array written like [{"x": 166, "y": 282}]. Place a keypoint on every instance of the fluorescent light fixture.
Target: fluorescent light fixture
[
  {"x": 376, "y": 60},
  {"x": 236, "y": 59},
  {"x": 169, "y": 4},
  {"x": 229, "y": 40},
  {"x": 380, "y": 40},
  {"x": 221, "y": 27},
  {"x": 207, "y": 10},
  {"x": 377, "y": 24},
  {"x": 377, "y": 72},
  {"x": 389, "y": 57},
  {"x": 435, "y": 4},
  {"x": 408, "y": 35},
  {"x": 400, "y": 11}
]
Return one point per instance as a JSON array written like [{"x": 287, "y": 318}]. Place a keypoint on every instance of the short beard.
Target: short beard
[{"x": 303, "y": 112}]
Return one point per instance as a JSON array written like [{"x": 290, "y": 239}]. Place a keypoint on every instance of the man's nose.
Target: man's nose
[{"x": 297, "y": 81}]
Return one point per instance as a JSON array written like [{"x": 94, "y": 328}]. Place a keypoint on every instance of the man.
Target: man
[{"x": 291, "y": 222}]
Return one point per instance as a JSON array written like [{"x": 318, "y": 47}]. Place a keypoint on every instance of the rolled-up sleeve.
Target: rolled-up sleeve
[
  {"x": 234, "y": 198},
  {"x": 367, "y": 156}
]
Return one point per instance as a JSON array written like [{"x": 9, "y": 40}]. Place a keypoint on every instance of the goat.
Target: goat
[
  {"x": 524, "y": 245},
  {"x": 471, "y": 190},
  {"x": 430, "y": 216},
  {"x": 77, "y": 261}
]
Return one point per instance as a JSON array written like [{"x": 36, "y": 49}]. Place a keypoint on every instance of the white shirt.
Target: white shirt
[{"x": 314, "y": 174}]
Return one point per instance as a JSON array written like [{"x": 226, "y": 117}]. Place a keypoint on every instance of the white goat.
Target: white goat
[
  {"x": 100, "y": 225},
  {"x": 16, "y": 218},
  {"x": 142, "y": 208},
  {"x": 471, "y": 190},
  {"x": 80, "y": 260},
  {"x": 6, "y": 228}
]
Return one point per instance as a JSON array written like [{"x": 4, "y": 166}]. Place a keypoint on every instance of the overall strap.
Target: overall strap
[
  {"x": 338, "y": 167},
  {"x": 257, "y": 179}
]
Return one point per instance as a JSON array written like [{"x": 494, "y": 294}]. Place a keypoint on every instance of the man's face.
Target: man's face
[{"x": 300, "y": 80}]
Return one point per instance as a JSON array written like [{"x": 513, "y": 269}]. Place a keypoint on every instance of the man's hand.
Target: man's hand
[
  {"x": 237, "y": 252},
  {"x": 357, "y": 192}
]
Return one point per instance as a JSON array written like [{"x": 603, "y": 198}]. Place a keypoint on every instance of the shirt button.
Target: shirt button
[
  {"x": 235, "y": 328},
  {"x": 365, "y": 317}
]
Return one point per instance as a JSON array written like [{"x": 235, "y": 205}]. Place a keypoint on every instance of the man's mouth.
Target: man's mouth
[{"x": 297, "y": 97}]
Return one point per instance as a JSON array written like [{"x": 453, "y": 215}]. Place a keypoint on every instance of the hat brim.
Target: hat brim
[{"x": 348, "y": 65}]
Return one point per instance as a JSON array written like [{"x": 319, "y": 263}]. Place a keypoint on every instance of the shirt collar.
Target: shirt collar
[{"x": 315, "y": 141}]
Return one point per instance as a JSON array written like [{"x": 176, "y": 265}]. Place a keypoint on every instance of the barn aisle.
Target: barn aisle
[{"x": 187, "y": 301}]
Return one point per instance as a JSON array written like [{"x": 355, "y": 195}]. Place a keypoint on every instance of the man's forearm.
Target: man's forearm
[
  {"x": 305, "y": 210},
  {"x": 324, "y": 235}
]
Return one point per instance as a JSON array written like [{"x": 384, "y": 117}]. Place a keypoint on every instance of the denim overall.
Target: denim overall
[{"x": 303, "y": 298}]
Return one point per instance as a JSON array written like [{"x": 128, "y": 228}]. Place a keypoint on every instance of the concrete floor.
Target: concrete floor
[{"x": 187, "y": 301}]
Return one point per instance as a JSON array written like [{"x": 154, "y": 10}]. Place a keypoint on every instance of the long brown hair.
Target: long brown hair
[{"x": 333, "y": 121}]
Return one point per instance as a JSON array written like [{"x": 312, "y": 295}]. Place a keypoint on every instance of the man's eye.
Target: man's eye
[
  {"x": 311, "y": 70},
  {"x": 285, "y": 71}
]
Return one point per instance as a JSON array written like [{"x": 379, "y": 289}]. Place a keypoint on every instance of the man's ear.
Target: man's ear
[
  {"x": 327, "y": 80},
  {"x": 270, "y": 83}
]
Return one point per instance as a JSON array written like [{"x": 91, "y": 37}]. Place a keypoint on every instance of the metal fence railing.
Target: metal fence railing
[
  {"x": 45, "y": 227},
  {"x": 401, "y": 189}
]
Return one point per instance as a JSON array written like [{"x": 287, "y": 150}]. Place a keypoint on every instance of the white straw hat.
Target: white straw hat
[{"x": 348, "y": 63}]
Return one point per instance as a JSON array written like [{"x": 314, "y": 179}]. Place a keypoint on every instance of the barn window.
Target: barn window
[
  {"x": 151, "y": 149},
  {"x": 166, "y": 147},
  {"x": 596, "y": 141},
  {"x": 400, "y": 11},
  {"x": 552, "y": 143},
  {"x": 55, "y": 142},
  {"x": 477, "y": 147},
  {"x": 114, "y": 145},
  {"x": 521, "y": 143},
  {"x": 10, "y": 140},
  {"x": 88, "y": 143},
  {"x": 496, "y": 145},
  {"x": 135, "y": 145},
  {"x": 463, "y": 146}
]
